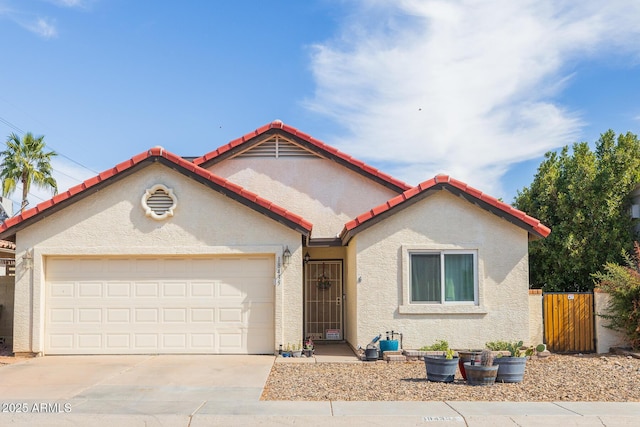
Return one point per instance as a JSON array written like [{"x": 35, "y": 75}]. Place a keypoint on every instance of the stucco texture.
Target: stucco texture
[
  {"x": 112, "y": 222},
  {"x": 319, "y": 190},
  {"x": 439, "y": 222}
]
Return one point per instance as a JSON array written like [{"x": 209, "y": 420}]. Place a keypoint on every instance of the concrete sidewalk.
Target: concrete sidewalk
[{"x": 225, "y": 390}]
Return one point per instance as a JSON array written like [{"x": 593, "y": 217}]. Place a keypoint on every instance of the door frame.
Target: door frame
[{"x": 341, "y": 297}]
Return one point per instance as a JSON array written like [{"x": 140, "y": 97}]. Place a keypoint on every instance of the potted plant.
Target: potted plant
[
  {"x": 467, "y": 356},
  {"x": 287, "y": 350},
  {"x": 510, "y": 368},
  {"x": 296, "y": 349},
  {"x": 441, "y": 368},
  {"x": 308, "y": 347},
  {"x": 484, "y": 373}
]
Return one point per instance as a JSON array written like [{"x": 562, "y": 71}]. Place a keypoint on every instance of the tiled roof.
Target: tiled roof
[
  {"x": 4, "y": 244},
  {"x": 157, "y": 154},
  {"x": 532, "y": 225},
  {"x": 326, "y": 150}
]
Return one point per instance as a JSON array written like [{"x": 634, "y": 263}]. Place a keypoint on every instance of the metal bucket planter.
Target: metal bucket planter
[
  {"x": 480, "y": 375},
  {"x": 467, "y": 356},
  {"x": 511, "y": 369},
  {"x": 440, "y": 369}
]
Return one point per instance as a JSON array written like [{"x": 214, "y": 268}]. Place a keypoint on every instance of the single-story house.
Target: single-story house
[{"x": 269, "y": 239}]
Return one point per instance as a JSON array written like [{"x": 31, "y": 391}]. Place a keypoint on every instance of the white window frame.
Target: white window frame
[{"x": 430, "y": 307}]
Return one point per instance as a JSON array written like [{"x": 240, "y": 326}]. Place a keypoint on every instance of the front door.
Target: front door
[{"x": 323, "y": 300}]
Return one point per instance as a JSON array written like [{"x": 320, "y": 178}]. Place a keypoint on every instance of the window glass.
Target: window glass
[
  {"x": 458, "y": 277},
  {"x": 442, "y": 277},
  {"x": 425, "y": 278}
]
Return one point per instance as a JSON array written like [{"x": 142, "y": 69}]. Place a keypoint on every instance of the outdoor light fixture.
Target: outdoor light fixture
[
  {"x": 306, "y": 257},
  {"x": 286, "y": 256}
]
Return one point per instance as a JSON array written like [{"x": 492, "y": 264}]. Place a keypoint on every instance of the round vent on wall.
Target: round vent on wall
[{"x": 159, "y": 202}]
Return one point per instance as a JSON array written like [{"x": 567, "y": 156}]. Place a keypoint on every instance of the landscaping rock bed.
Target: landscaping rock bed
[{"x": 609, "y": 378}]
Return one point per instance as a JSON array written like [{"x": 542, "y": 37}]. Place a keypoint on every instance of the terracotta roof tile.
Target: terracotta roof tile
[
  {"x": 5, "y": 244},
  {"x": 173, "y": 158},
  {"x": 444, "y": 180},
  {"x": 277, "y": 124}
]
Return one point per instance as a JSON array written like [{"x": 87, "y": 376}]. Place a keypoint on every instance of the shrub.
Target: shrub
[
  {"x": 498, "y": 345},
  {"x": 622, "y": 283},
  {"x": 440, "y": 345}
]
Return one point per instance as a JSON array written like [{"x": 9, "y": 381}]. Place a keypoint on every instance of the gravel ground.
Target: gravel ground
[{"x": 609, "y": 378}]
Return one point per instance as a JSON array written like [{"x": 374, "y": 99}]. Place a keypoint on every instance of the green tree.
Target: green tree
[
  {"x": 622, "y": 283},
  {"x": 585, "y": 197},
  {"x": 25, "y": 161}
]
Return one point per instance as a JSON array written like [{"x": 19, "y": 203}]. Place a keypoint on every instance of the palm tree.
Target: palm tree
[{"x": 25, "y": 161}]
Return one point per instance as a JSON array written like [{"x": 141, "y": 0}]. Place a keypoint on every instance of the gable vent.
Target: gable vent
[
  {"x": 276, "y": 147},
  {"x": 159, "y": 202}
]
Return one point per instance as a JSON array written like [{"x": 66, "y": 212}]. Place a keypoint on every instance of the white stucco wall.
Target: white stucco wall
[
  {"x": 605, "y": 337},
  {"x": 536, "y": 321},
  {"x": 112, "y": 222},
  {"x": 319, "y": 190},
  {"x": 443, "y": 221}
]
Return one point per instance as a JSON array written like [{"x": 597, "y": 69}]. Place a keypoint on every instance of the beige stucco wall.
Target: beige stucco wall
[
  {"x": 319, "y": 190},
  {"x": 443, "y": 221},
  {"x": 536, "y": 322},
  {"x": 605, "y": 337},
  {"x": 112, "y": 222},
  {"x": 6, "y": 309}
]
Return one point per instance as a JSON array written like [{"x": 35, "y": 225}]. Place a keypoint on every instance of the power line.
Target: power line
[{"x": 22, "y": 132}]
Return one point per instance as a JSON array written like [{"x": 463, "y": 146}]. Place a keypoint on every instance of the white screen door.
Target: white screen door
[{"x": 323, "y": 300}]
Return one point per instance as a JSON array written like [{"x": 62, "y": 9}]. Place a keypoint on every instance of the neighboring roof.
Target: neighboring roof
[
  {"x": 243, "y": 143},
  {"x": 443, "y": 182},
  {"x": 4, "y": 244},
  {"x": 155, "y": 155}
]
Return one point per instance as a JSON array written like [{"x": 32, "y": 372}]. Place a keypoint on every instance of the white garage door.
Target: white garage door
[{"x": 159, "y": 305}]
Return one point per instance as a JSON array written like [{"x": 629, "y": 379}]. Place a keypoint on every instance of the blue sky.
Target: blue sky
[{"x": 476, "y": 89}]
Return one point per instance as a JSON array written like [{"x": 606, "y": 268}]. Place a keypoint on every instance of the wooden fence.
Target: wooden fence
[{"x": 569, "y": 322}]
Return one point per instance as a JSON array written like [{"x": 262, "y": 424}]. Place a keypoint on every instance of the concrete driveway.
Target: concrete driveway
[{"x": 59, "y": 389}]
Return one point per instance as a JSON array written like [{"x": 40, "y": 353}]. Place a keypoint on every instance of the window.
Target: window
[{"x": 443, "y": 277}]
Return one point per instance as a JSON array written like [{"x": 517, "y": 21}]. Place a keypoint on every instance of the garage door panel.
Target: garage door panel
[
  {"x": 202, "y": 341},
  {"x": 146, "y": 315},
  {"x": 95, "y": 310},
  {"x": 202, "y": 315},
  {"x": 90, "y": 315},
  {"x": 89, "y": 290},
  {"x": 118, "y": 341},
  {"x": 174, "y": 289},
  {"x": 261, "y": 314},
  {"x": 145, "y": 289},
  {"x": 118, "y": 315},
  {"x": 61, "y": 342},
  {"x": 202, "y": 289},
  {"x": 146, "y": 341},
  {"x": 62, "y": 290},
  {"x": 174, "y": 315},
  {"x": 89, "y": 341},
  {"x": 61, "y": 315},
  {"x": 118, "y": 289}
]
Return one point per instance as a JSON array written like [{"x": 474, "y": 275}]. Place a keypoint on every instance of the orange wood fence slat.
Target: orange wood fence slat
[{"x": 569, "y": 322}]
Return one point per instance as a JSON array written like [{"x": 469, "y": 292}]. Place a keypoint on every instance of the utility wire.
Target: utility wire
[{"x": 22, "y": 132}]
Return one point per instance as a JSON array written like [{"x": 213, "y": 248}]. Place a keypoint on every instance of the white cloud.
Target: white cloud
[
  {"x": 44, "y": 27},
  {"x": 463, "y": 87}
]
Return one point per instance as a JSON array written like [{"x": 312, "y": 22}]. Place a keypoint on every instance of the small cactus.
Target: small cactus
[{"x": 486, "y": 358}]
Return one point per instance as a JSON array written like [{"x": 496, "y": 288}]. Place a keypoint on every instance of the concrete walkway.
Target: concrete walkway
[{"x": 225, "y": 390}]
